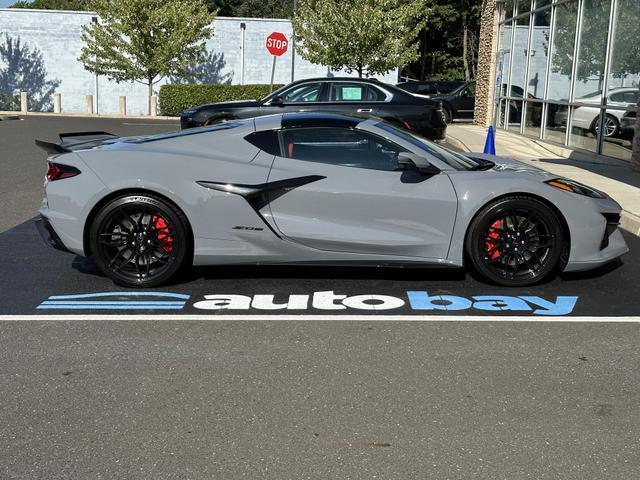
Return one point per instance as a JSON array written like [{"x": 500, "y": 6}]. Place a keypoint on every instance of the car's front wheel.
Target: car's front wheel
[
  {"x": 515, "y": 241},
  {"x": 140, "y": 240}
]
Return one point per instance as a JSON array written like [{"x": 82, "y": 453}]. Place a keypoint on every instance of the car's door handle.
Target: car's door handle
[{"x": 364, "y": 110}]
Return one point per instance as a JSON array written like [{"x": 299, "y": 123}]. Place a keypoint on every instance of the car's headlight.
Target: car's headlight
[{"x": 574, "y": 187}]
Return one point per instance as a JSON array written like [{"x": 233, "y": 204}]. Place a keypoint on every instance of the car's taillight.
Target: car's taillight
[{"x": 57, "y": 171}]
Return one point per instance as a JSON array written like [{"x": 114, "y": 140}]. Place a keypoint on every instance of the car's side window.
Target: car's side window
[
  {"x": 624, "y": 97},
  {"x": 307, "y": 92},
  {"x": 355, "y": 92},
  {"x": 265, "y": 140},
  {"x": 341, "y": 146},
  {"x": 471, "y": 90}
]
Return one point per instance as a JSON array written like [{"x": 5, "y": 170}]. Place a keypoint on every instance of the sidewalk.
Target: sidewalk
[{"x": 614, "y": 177}]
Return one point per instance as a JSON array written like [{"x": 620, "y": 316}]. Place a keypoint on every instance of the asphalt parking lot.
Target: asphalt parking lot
[{"x": 315, "y": 373}]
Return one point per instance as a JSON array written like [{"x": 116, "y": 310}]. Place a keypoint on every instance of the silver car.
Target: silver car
[{"x": 315, "y": 188}]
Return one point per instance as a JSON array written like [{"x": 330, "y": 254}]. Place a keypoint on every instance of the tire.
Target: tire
[
  {"x": 516, "y": 241},
  {"x": 140, "y": 240},
  {"x": 447, "y": 116},
  {"x": 611, "y": 126},
  {"x": 215, "y": 120}
]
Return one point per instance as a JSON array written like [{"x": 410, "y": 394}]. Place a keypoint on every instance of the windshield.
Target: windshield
[{"x": 451, "y": 158}]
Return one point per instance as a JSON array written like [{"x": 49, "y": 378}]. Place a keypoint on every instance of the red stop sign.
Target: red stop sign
[{"x": 277, "y": 44}]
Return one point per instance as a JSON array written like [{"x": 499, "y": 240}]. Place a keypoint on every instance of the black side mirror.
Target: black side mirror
[
  {"x": 277, "y": 101},
  {"x": 411, "y": 161}
]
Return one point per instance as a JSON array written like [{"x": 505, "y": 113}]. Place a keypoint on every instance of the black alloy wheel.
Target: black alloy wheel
[
  {"x": 140, "y": 240},
  {"x": 516, "y": 241}
]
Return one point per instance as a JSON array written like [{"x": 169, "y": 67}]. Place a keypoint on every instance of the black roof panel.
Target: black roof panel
[{"x": 320, "y": 119}]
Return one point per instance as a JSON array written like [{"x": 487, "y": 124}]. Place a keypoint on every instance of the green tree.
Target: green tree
[
  {"x": 146, "y": 40},
  {"x": 449, "y": 44},
  {"x": 252, "y": 8},
  {"x": 367, "y": 36}
]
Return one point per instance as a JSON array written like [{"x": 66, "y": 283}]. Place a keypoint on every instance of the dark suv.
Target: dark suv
[
  {"x": 342, "y": 95},
  {"x": 459, "y": 103},
  {"x": 430, "y": 87}
]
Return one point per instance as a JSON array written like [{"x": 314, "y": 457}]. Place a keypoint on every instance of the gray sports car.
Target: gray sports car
[{"x": 315, "y": 188}]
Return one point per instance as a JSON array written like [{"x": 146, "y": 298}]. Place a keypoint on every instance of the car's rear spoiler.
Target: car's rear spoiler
[{"x": 76, "y": 141}]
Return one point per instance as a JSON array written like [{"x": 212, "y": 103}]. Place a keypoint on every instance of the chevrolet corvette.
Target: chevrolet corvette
[{"x": 315, "y": 189}]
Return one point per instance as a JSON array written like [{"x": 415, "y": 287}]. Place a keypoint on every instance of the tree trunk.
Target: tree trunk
[
  {"x": 465, "y": 47},
  {"x": 360, "y": 71},
  {"x": 635, "y": 156},
  {"x": 150, "y": 84}
]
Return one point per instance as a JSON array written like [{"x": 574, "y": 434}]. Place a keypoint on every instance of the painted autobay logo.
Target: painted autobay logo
[
  {"x": 419, "y": 301},
  {"x": 415, "y": 300},
  {"x": 116, "y": 301}
]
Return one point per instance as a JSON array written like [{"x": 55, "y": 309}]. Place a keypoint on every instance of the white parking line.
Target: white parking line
[{"x": 322, "y": 318}]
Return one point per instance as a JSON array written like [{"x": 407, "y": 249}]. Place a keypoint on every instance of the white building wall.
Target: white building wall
[{"x": 56, "y": 34}]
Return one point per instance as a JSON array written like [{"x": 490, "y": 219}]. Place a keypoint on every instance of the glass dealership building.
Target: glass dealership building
[{"x": 567, "y": 72}]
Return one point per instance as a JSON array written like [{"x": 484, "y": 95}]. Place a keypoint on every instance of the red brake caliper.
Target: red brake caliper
[
  {"x": 492, "y": 240},
  {"x": 162, "y": 233}
]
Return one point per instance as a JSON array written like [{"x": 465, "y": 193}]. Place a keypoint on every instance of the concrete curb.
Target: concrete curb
[
  {"x": 87, "y": 115},
  {"x": 455, "y": 144},
  {"x": 9, "y": 117},
  {"x": 630, "y": 223}
]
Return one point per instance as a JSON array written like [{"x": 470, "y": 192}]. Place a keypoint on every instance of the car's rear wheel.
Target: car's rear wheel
[
  {"x": 447, "y": 115},
  {"x": 611, "y": 125},
  {"x": 140, "y": 240},
  {"x": 515, "y": 241}
]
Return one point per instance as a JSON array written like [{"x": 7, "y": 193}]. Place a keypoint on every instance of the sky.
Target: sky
[{"x": 6, "y": 3}]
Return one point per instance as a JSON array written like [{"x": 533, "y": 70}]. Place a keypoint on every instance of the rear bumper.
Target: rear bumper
[
  {"x": 430, "y": 132},
  {"x": 49, "y": 235}
]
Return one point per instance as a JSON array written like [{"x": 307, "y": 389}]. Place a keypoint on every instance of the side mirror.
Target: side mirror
[
  {"x": 411, "y": 161},
  {"x": 277, "y": 101}
]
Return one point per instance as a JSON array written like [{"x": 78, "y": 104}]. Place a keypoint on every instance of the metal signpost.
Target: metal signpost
[{"x": 277, "y": 45}]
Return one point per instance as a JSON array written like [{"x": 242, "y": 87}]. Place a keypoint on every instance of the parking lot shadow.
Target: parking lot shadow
[
  {"x": 614, "y": 169},
  {"x": 326, "y": 272}
]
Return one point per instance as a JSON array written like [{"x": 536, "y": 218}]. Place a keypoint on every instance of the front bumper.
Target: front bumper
[
  {"x": 616, "y": 247},
  {"x": 188, "y": 122},
  {"x": 49, "y": 235}
]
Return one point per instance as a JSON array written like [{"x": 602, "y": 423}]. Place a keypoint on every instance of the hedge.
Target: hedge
[{"x": 176, "y": 98}]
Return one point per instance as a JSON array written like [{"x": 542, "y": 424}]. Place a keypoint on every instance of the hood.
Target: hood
[
  {"x": 232, "y": 103},
  {"x": 509, "y": 165}
]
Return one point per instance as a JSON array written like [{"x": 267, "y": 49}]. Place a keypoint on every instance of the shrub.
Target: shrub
[{"x": 176, "y": 98}]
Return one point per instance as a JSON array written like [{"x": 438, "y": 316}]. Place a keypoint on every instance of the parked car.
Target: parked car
[
  {"x": 315, "y": 188},
  {"x": 586, "y": 117},
  {"x": 628, "y": 121},
  {"x": 430, "y": 87},
  {"x": 341, "y": 95},
  {"x": 459, "y": 103}
]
